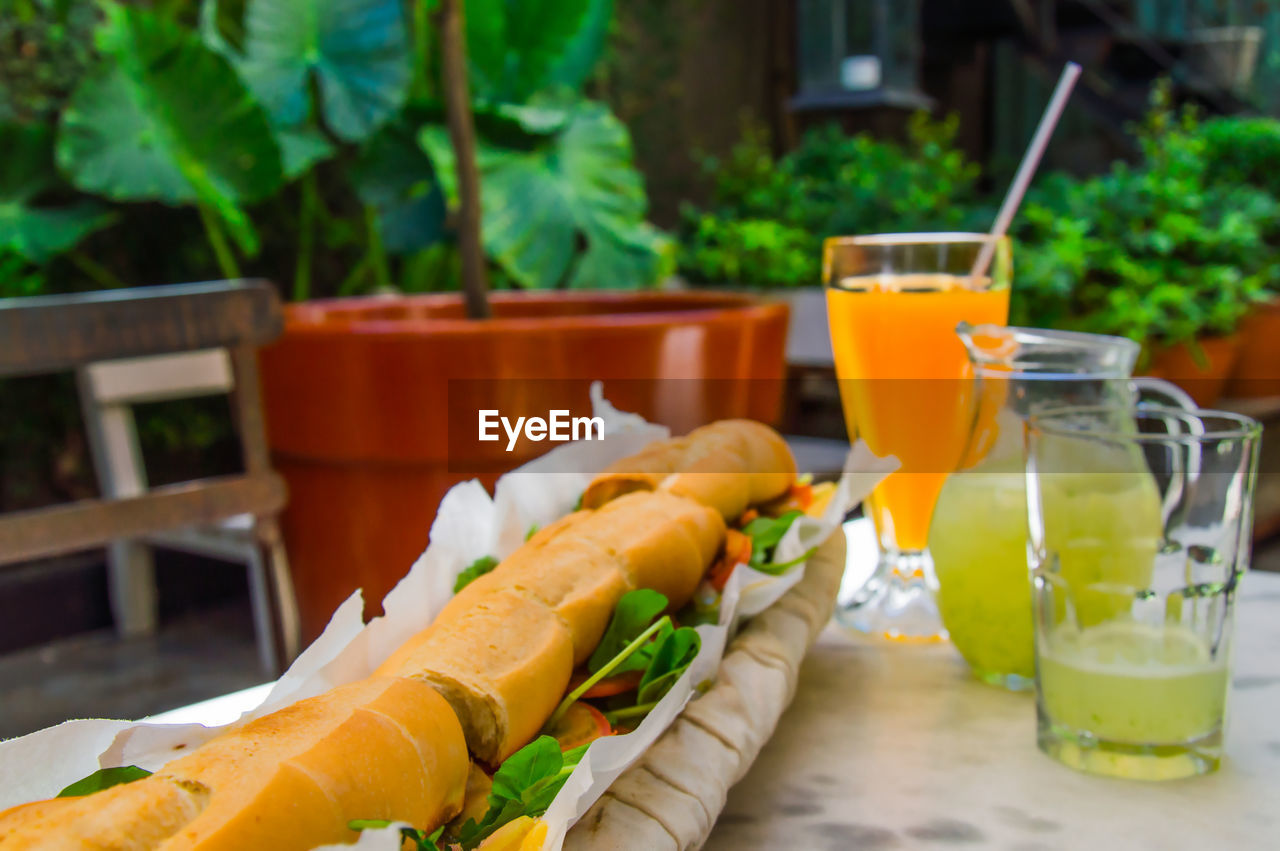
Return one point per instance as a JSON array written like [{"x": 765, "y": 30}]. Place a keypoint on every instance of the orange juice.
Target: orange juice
[{"x": 901, "y": 369}]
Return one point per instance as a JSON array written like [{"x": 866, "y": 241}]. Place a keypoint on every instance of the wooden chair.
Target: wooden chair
[{"x": 130, "y": 346}]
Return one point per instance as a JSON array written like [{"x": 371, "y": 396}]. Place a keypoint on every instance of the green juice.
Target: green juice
[
  {"x": 1134, "y": 684},
  {"x": 978, "y": 540}
]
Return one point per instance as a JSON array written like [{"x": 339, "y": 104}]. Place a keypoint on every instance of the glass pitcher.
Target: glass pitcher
[{"x": 978, "y": 535}]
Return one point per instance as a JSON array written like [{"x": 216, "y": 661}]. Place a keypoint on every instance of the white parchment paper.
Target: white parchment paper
[{"x": 468, "y": 525}]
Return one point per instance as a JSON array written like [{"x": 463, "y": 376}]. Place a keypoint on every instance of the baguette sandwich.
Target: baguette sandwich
[{"x": 576, "y": 634}]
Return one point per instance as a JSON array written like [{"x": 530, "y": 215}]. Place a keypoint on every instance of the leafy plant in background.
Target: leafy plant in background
[
  {"x": 1161, "y": 252},
  {"x": 305, "y": 138},
  {"x": 768, "y": 216}
]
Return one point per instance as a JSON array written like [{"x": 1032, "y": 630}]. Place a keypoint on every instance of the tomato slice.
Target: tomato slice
[
  {"x": 609, "y": 686},
  {"x": 581, "y": 724}
]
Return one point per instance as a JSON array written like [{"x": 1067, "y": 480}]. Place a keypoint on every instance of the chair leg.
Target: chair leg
[
  {"x": 131, "y": 585},
  {"x": 284, "y": 605},
  {"x": 263, "y": 623}
]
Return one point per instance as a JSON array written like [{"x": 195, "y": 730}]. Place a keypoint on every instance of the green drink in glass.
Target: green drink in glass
[{"x": 1140, "y": 524}]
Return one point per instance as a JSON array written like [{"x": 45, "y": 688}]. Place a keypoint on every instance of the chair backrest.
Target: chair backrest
[
  {"x": 146, "y": 344},
  {"x": 110, "y": 389}
]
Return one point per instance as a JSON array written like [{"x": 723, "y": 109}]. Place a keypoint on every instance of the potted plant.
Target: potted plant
[
  {"x": 380, "y": 149},
  {"x": 1245, "y": 151},
  {"x": 1157, "y": 252},
  {"x": 767, "y": 216}
]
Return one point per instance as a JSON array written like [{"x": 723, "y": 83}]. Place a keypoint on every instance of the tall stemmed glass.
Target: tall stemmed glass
[{"x": 893, "y": 303}]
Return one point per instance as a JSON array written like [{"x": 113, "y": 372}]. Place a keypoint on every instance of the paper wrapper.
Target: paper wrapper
[{"x": 468, "y": 525}]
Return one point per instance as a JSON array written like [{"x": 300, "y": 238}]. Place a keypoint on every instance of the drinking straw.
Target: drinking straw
[{"x": 1027, "y": 168}]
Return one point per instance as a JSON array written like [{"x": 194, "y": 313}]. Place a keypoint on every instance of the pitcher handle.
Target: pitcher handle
[
  {"x": 1164, "y": 393},
  {"x": 1168, "y": 393}
]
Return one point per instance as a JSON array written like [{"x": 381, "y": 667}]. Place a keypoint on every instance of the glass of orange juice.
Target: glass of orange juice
[{"x": 893, "y": 303}]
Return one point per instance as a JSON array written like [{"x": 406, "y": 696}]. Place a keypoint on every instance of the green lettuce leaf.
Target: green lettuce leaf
[
  {"x": 474, "y": 571},
  {"x": 104, "y": 778}
]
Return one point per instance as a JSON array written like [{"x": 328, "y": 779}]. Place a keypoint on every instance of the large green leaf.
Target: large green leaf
[
  {"x": 579, "y": 57},
  {"x": 164, "y": 118},
  {"x": 538, "y": 203},
  {"x": 513, "y": 46},
  {"x": 395, "y": 177},
  {"x": 357, "y": 50},
  {"x": 26, "y": 170},
  {"x": 302, "y": 145}
]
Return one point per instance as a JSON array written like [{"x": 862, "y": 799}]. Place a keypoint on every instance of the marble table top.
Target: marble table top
[{"x": 897, "y": 747}]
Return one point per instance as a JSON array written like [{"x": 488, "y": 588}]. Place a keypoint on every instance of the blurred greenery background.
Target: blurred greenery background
[{"x": 161, "y": 141}]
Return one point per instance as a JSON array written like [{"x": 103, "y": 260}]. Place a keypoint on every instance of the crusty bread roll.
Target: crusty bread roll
[
  {"x": 503, "y": 664},
  {"x": 663, "y": 541},
  {"x": 576, "y": 579},
  {"x": 728, "y": 465},
  {"x": 379, "y": 749}
]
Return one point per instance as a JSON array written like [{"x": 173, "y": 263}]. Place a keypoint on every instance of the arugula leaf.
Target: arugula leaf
[
  {"x": 524, "y": 785},
  {"x": 423, "y": 841},
  {"x": 766, "y": 532},
  {"x": 635, "y": 613},
  {"x": 672, "y": 655},
  {"x": 533, "y": 530},
  {"x": 537, "y": 760},
  {"x": 474, "y": 571},
  {"x": 577, "y": 506},
  {"x": 104, "y": 778}
]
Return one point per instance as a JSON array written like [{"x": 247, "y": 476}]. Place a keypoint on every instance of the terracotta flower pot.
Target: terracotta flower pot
[
  {"x": 1204, "y": 383},
  {"x": 372, "y": 404},
  {"x": 1257, "y": 371}
]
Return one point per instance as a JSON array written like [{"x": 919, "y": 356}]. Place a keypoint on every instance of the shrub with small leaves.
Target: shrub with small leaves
[
  {"x": 1160, "y": 252},
  {"x": 768, "y": 216}
]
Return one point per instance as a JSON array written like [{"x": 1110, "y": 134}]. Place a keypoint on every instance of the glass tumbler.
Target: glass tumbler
[{"x": 1139, "y": 524}]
